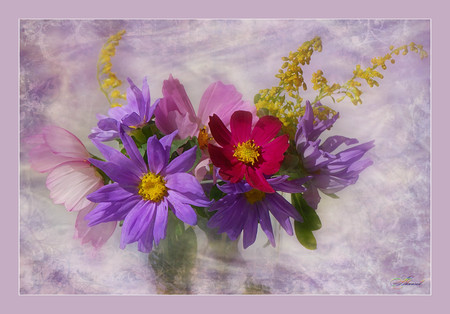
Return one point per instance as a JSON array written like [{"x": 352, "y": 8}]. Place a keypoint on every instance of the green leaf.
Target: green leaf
[
  {"x": 177, "y": 144},
  {"x": 332, "y": 196},
  {"x": 311, "y": 220},
  {"x": 305, "y": 236},
  {"x": 215, "y": 193}
]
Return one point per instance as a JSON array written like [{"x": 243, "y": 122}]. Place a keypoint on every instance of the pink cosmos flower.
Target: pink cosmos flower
[
  {"x": 70, "y": 178},
  {"x": 175, "y": 112}
]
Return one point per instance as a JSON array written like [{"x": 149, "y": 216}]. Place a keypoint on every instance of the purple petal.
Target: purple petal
[
  {"x": 160, "y": 227},
  {"x": 334, "y": 142},
  {"x": 133, "y": 151},
  {"x": 182, "y": 163},
  {"x": 250, "y": 228},
  {"x": 188, "y": 187},
  {"x": 132, "y": 120},
  {"x": 311, "y": 196},
  {"x": 182, "y": 211},
  {"x": 156, "y": 154},
  {"x": 235, "y": 188},
  {"x": 117, "y": 158},
  {"x": 282, "y": 184},
  {"x": 109, "y": 193},
  {"x": 138, "y": 96},
  {"x": 115, "y": 211},
  {"x": 280, "y": 204},
  {"x": 108, "y": 124},
  {"x": 264, "y": 220},
  {"x": 137, "y": 222},
  {"x": 127, "y": 180}
]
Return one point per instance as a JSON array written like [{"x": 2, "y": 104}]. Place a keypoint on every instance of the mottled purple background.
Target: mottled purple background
[{"x": 378, "y": 230}]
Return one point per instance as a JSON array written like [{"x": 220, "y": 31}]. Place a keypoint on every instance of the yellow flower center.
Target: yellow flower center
[
  {"x": 247, "y": 152},
  {"x": 203, "y": 138},
  {"x": 254, "y": 196},
  {"x": 152, "y": 187}
]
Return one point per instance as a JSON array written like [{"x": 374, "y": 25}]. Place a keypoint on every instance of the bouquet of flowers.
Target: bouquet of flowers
[{"x": 227, "y": 168}]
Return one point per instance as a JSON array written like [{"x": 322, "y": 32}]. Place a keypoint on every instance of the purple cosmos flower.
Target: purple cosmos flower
[
  {"x": 244, "y": 207},
  {"x": 135, "y": 114},
  {"x": 143, "y": 193},
  {"x": 331, "y": 172}
]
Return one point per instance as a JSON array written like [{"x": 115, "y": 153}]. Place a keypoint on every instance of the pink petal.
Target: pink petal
[
  {"x": 70, "y": 182},
  {"x": 222, "y": 100},
  {"x": 64, "y": 143},
  {"x": 202, "y": 168},
  {"x": 96, "y": 235},
  {"x": 173, "y": 89}
]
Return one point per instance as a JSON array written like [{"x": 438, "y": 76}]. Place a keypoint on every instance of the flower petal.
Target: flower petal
[
  {"x": 156, "y": 155},
  {"x": 182, "y": 211},
  {"x": 241, "y": 126},
  {"x": 70, "y": 182},
  {"x": 64, "y": 143},
  {"x": 115, "y": 211},
  {"x": 138, "y": 220},
  {"x": 279, "y": 214},
  {"x": 266, "y": 129},
  {"x": 109, "y": 193},
  {"x": 264, "y": 221},
  {"x": 220, "y": 132},
  {"x": 186, "y": 185},
  {"x": 256, "y": 179},
  {"x": 183, "y": 162},
  {"x": 133, "y": 151},
  {"x": 222, "y": 100},
  {"x": 160, "y": 227},
  {"x": 250, "y": 228},
  {"x": 96, "y": 235}
]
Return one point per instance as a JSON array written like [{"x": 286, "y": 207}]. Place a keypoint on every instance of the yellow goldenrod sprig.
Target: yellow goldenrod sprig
[
  {"x": 107, "y": 79},
  {"x": 284, "y": 101},
  {"x": 370, "y": 74}
]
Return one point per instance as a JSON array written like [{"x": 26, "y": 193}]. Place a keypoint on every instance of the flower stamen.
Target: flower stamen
[
  {"x": 203, "y": 138},
  {"x": 254, "y": 195},
  {"x": 152, "y": 187},
  {"x": 247, "y": 152}
]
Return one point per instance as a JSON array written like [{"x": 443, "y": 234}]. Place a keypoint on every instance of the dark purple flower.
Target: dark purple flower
[
  {"x": 134, "y": 115},
  {"x": 330, "y": 171},
  {"x": 244, "y": 207},
  {"x": 142, "y": 194}
]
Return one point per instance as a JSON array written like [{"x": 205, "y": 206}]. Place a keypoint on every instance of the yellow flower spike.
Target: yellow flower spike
[{"x": 105, "y": 77}]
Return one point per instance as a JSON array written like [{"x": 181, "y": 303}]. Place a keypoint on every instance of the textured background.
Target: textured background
[{"x": 378, "y": 230}]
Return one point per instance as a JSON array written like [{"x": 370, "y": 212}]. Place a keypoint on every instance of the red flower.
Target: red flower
[{"x": 247, "y": 153}]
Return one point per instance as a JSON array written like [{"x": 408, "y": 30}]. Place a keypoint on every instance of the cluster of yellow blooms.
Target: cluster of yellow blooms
[
  {"x": 108, "y": 80},
  {"x": 274, "y": 101},
  {"x": 284, "y": 101}
]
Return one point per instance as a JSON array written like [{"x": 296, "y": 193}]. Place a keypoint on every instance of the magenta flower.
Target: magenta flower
[
  {"x": 137, "y": 113},
  {"x": 244, "y": 207},
  {"x": 71, "y": 177},
  {"x": 143, "y": 193},
  {"x": 246, "y": 152},
  {"x": 331, "y": 172}
]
